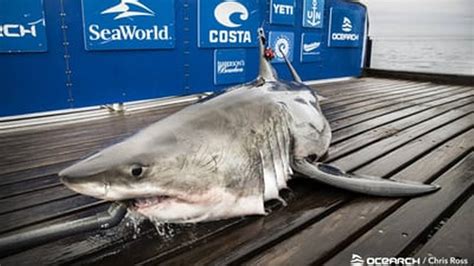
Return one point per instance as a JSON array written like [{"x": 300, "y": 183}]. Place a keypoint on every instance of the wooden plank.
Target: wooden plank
[
  {"x": 346, "y": 93},
  {"x": 351, "y": 86},
  {"x": 31, "y": 131},
  {"x": 367, "y": 101},
  {"x": 35, "y": 198},
  {"x": 364, "y": 107},
  {"x": 33, "y": 173},
  {"x": 437, "y": 104},
  {"x": 341, "y": 227},
  {"x": 376, "y": 133},
  {"x": 400, "y": 227},
  {"x": 27, "y": 216},
  {"x": 455, "y": 238},
  {"x": 374, "y": 96},
  {"x": 339, "y": 122},
  {"x": 28, "y": 186},
  {"x": 448, "y": 124}
]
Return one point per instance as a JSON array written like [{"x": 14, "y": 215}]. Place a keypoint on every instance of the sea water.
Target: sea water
[
  {"x": 432, "y": 55},
  {"x": 434, "y": 36}
]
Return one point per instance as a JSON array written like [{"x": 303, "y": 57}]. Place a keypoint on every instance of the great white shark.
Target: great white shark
[{"x": 225, "y": 156}]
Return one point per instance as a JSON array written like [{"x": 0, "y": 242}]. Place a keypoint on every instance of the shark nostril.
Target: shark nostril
[{"x": 63, "y": 179}]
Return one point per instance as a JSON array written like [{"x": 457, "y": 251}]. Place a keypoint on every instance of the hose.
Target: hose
[{"x": 16, "y": 242}]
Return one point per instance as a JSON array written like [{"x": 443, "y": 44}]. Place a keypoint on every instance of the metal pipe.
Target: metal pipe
[{"x": 28, "y": 239}]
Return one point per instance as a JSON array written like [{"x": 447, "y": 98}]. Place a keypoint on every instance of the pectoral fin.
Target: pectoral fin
[{"x": 376, "y": 186}]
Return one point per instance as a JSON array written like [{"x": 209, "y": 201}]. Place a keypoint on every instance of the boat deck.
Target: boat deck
[{"x": 393, "y": 128}]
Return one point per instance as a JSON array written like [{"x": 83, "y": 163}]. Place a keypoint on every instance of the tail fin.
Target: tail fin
[{"x": 295, "y": 75}]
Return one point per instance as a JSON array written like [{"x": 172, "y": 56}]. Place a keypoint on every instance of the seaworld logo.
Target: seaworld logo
[
  {"x": 128, "y": 9},
  {"x": 223, "y": 14},
  {"x": 124, "y": 9}
]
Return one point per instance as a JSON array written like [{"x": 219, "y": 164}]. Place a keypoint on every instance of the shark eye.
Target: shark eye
[{"x": 137, "y": 170}]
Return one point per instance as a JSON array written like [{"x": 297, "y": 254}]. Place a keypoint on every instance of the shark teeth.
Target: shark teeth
[{"x": 150, "y": 201}]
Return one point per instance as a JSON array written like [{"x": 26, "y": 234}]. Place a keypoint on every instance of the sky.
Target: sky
[{"x": 421, "y": 18}]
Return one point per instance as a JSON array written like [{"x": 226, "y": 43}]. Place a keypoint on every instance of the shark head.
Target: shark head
[{"x": 159, "y": 177}]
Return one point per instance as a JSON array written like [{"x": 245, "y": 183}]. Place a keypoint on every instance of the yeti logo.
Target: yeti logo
[
  {"x": 125, "y": 9},
  {"x": 225, "y": 10}
]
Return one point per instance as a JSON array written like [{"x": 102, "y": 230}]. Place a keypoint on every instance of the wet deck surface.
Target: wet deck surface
[{"x": 391, "y": 128}]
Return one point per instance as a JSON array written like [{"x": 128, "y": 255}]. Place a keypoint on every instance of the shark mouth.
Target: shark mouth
[
  {"x": 154, "y": 201},
  {"x": 143, "y": 203}
]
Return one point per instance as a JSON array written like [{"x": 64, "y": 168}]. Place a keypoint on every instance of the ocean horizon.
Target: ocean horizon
[{"x": 433, "y": 36}]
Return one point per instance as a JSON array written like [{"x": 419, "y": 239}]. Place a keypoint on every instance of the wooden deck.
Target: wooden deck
[{"x": 385, "y": 127}]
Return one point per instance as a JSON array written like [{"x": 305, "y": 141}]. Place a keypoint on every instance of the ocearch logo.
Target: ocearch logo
[
  {"x": 345, "y": 35},
  {"x": 223, "y": 13},
  {"x": 123, "y": 9},
  {"x": 18, "y": 30},
  {"x": 346, "y": 25},
  {"x": 357, "y": 260}
]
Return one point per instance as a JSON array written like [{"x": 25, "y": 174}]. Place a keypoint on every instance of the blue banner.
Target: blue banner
[
  {"x": 345, "y": 28},
  {"x": 22, "y": 26},
  {"x": 229, "y": 66},
  {"x": 313, "y": 13},
  {"x": 282, "y": 12},
  {"x": 282, "y": 42},
  {"x": 128, "y": 24},
  {"x": 311, "y": 46},
  {"x": 227, "y": 23}
]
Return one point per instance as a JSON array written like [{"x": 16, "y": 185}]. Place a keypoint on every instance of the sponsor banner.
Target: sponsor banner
[
  {"x": 313, "y": 13},
  {"x": 345, "y": 28},
  {"x": 22, "y": 26},
  {"x": 227, "y": 23},
  {"x": 282, "y": 12},
  {"x": 311, "y": 47},
  {"x": 282, "y": 43},
  {"x": 128, "y": 24},
  {"x": 229, "y": 66}
]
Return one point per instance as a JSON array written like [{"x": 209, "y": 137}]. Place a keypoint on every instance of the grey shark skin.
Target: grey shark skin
[{"x": 225, "y": 156}]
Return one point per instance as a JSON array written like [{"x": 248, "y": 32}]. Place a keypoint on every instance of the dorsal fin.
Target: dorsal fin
[
  {"x": 295, "y": 75},
  {"x": 266, "y": 72}
]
